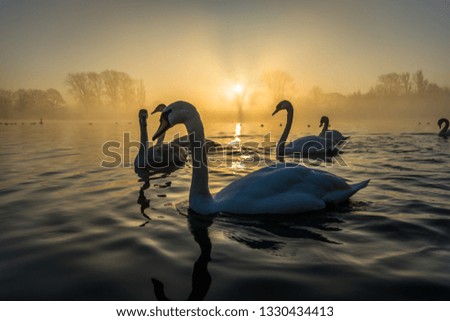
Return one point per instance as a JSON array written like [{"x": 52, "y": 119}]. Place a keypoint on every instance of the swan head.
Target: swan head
[
  {"x": 143, "y": 115},
  {"x": 324, "y": 120},
  {"x": 441, "y": 121},
  {"x": 284, "y": 104},
  {"x": 159, "y": 109},
  {"x": 179, "y": 112}
]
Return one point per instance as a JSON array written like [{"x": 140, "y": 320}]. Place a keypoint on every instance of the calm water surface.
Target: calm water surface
[{"x": 72, "y": 230}]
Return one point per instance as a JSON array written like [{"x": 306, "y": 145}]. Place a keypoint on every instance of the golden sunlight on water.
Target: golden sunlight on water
[
  {"x": 236, "y": 142},
  {"x": 237, "y": 132},
  {"x": 237, "y": 135}
]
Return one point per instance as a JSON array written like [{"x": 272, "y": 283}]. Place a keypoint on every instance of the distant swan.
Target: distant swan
[
  {"x": 159, "y": 156},
  {"x": 330, "y": 135},
  {"x": 306, "y": 146},
  {"x": 444, "y": 131},
  {"x": 280, "y": 189}
]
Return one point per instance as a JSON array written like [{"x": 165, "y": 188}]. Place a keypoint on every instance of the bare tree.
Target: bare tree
[
  {"x": 79, "y": 88},
  {"x": 405, "y": 80},
  {"x": 6, "y": 102},
  {"x": 121, "y": 91},
  {"x": 279, "y": 83},
  {"x": 127, "y": 91},
  {"x": 111, "y": 90},
  {"x": 55, "y": 98},
  {"x": 95, "y": 83},
  {"x": 140, "y": 93},
  {"x": 21, "y": 100},
  {"x": 420, "y": 83},
  {"x": 389, "y": 84}
]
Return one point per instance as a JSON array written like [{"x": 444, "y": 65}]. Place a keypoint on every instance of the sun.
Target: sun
[{"x": 238, "y": 88}]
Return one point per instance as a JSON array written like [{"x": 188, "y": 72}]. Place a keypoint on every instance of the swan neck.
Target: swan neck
[
  {"x": 444, "y": 130},
  {"x": 199, "y": 182},
  {"x": 325, "y": 127},
  {"x": 144, "y": 136},
  {"x": 160, "y": 140},
  {"x": 282, "y": 142}
]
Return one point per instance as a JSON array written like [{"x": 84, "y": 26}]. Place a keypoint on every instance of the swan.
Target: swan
[
  {"x": 184, "y": 140},
  {"x": 279, "y": 189},
  {"x": 159, "y": 156},
  {"x": 444, "y": 131},
  {"x": 306, "y": 146},
  {"x": 332, "y": 135}
]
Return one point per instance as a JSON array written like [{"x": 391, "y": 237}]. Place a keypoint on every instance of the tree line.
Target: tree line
[
  {"x": 94, "y": 94},
  {"x": 115, "y": 93},
  {"x": 108, "y": 91},
  {"x": 409, "y": 95},
  {"x": 27, "y": 103},
  {"x": 405, "y": 84}
]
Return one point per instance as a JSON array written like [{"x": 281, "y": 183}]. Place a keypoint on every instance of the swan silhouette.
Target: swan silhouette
[
  {"x": 160, "y": 156},
  {"x": 279, "y": 189},
  {"x": 306, "y": 146},
  {"x": 331, "y": 135},
  {"x": 444, "y": 131}
]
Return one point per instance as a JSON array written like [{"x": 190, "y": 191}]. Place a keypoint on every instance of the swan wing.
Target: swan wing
[
  {"x": 308, "y": 144},
  {"x": 335, "y": 135},
  {"x": 285, "y": 188}
]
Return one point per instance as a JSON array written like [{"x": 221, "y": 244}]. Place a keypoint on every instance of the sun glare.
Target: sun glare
[{"x": 238, "y": 89}]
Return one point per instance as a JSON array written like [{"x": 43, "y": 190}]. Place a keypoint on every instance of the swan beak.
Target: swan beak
[
  {"x": 320, "y": 124},
  {"x": 154, "y": 112},
  {"x": 276, "y": 111},
  {"x": 163, "y": 127}
]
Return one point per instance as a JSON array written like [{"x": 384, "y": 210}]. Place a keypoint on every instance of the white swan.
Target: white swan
[
  {"x": 444, "y": 131},
  {"x": 306, "y": 146},
  {"x": 159, "y": 156},
  {"x": 331, "y": 135},
  {"x": 280, "y": 189}
]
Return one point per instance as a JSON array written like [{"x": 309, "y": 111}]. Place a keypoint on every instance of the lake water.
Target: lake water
[{"x": 73, "y": 230}]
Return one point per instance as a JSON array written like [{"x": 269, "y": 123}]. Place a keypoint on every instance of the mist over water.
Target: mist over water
[{"x": 72, "y": 230}]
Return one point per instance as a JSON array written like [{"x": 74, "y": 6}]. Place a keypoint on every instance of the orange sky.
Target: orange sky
[{"x": 198, "y": 50}]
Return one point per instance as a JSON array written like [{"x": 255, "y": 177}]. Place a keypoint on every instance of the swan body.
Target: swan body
[
  {"x": 306, "y": 146},
  {"x": 309, "y": 145},
  {"x": 444, "y": 132},
  {"x": 334, "y": 136},
  {"x": 159, "y": 156},
  {"x": 285, "y": 189},
  {"x": 279, "y": 189}
]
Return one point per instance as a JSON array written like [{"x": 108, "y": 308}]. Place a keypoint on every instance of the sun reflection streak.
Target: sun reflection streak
[
  {"x": 237, "y": 131},
  {"x": 237, "y": 136}
]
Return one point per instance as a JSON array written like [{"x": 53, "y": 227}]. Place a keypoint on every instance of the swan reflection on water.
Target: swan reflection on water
[
  {"x": 144, "y": 176},
  {"x": 262, "y": 232},
  {"x": 201, "y": 279}
]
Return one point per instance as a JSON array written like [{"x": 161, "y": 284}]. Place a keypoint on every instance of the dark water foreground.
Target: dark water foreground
[{"x": 72, "y": 230}]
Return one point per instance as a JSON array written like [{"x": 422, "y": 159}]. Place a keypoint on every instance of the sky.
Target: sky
[{"x": 183, "y": 48}]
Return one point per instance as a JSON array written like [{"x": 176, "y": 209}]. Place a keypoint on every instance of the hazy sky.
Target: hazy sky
[{"x": 184, "y": 48}]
